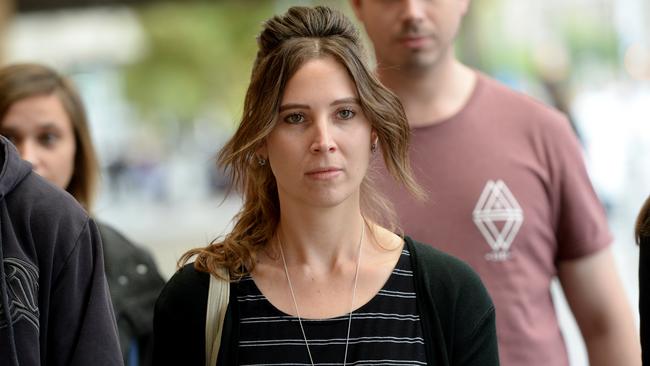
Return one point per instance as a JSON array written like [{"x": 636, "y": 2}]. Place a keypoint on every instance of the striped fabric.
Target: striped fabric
[{"x": 385, "y": 331}]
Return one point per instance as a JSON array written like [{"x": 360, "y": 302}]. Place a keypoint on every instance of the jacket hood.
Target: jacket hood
[{"x": 13, "y": 169}]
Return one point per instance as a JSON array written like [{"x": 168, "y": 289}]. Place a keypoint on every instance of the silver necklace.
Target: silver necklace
[{"x": 354, "y": 292}]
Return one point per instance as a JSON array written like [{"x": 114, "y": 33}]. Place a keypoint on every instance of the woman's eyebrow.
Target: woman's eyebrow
[{"x": 293, "y": 106}]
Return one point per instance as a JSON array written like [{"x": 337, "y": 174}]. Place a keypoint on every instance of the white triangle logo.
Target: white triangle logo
[{"x": 498, "y": 217}]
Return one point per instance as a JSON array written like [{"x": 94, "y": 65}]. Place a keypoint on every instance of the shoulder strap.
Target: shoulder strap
[{"x": 218, "y": 296}]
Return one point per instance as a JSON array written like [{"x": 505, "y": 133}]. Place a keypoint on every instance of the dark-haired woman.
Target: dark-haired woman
[{"x": 42, "y": 114}]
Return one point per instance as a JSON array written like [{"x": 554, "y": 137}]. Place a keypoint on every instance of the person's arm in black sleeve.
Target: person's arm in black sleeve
[
  {"x": 83, "y": 330},
  {"x": 179, "y": 319},
  {"x": 475, "y": 342},
  {"x": 480, "y": 347},
  {"x": 458, "y": 316}
]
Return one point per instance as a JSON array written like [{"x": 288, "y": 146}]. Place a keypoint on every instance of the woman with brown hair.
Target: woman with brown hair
[
  {"x": 642, "y": 234},
  {"x": 42, "y": 114},
  {"x": 315, "y": 277}
]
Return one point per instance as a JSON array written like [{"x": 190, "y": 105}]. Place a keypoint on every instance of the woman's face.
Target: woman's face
[
  {"x": 319, "y": 149},
  {"x": 42, "y": 131}
]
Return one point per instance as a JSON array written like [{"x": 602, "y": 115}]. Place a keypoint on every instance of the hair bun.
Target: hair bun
[{"x": 305, "y": 22}]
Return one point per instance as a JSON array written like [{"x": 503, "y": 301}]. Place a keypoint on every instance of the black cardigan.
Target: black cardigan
[{"x": 457, "y": 314}]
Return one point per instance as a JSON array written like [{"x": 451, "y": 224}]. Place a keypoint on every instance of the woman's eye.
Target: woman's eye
[
  {"x": 48, "y": 139},
  {"x": 346, "y": 114},
  {"x": 294, "y": 118}
]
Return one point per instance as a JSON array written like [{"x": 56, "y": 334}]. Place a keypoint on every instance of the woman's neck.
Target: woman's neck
[{"x": 321, "y": 238}]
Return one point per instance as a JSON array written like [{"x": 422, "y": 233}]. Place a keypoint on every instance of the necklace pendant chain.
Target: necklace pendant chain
[{"x": 354, "y": 293}]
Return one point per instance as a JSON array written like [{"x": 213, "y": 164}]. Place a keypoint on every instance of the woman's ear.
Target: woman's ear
[
  {"x": 374, "y": 140},
  {"x": 261, "y": 154},
  {"x": 261, "y": 151}
]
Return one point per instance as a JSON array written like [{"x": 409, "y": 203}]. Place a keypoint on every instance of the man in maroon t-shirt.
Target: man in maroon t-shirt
[{"x": 508, "y": 190}]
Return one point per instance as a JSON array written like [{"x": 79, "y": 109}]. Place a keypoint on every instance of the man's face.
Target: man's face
[{"x": 411, "y": 34}]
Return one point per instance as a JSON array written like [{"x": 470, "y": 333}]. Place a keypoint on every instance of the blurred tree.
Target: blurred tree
[
  {"x": 198, "y": 59},
  {"x": 496, "y": 39},
  {"x": 485, "y": 43},
  {"x": 591, "y": 38},
  {"x": 49, "y": 5},
  {"x": 544, "y": 48},
  {"x": 6, "y": 12}
]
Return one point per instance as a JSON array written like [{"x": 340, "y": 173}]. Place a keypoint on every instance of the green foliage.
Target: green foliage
[
  {"x": 586, "y": 33},
  {"x": 485, "y": 44},
  {"x": 590, "y": 39},
  {"x": 198, "y": 58}
]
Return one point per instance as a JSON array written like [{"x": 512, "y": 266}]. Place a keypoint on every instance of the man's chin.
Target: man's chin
[
  {"x": 413, "y": 61},
  {"x": 420, "y": 62}
]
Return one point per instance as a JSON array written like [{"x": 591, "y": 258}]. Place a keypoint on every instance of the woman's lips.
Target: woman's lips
[{"x": 323, "y": 173}]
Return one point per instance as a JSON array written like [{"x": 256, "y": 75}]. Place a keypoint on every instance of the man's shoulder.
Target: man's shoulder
[{"x": 508, "y": 100}]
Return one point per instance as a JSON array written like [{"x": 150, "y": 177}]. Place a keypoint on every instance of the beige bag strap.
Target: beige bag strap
[{"x": 218, "y": 296}]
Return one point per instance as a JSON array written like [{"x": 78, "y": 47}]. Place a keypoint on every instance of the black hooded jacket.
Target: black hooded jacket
[{"x": 54, "y": 303}]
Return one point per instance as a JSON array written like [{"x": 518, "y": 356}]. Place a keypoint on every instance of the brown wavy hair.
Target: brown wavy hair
[
  {"x": 21, "y": 81},
  {"x": 286, "y": 43},
  {"x": 642, "y": 227}
]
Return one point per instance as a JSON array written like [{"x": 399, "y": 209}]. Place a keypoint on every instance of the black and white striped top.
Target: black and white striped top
[{"x": 384, "y": 331}]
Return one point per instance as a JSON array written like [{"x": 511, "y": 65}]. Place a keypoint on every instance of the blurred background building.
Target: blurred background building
[{"x": 164, "y": 82}]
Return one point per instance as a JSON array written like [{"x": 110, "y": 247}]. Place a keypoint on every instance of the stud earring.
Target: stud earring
[
  {"x": 261, "y": 161},
  {"x": 373, "y": 147}
]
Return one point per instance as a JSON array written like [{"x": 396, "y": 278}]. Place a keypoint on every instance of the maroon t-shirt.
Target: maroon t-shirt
[{"x": 509, "y": 194}]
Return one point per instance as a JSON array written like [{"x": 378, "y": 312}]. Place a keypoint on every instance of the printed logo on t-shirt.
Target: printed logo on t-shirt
[
  {"x": 22, "y": 291},
  {"x": 498, "y": 217}
]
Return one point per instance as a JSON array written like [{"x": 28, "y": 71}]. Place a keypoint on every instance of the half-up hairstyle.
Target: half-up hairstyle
[{"x": 285, "y": 44}]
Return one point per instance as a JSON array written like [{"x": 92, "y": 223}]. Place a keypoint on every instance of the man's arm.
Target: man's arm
[{"x": 599, "y": 304}]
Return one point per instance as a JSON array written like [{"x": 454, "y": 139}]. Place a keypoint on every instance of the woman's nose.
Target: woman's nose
[
  {"x": 323, "y": 141},
  {"x": 29, "y": 152}
]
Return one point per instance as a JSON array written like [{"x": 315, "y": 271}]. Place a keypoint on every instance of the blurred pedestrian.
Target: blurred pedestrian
[
  {"x": 54, "y": 303},
  {"x": 509, "y": 192},
  {"x": 42, "y": 114}
]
